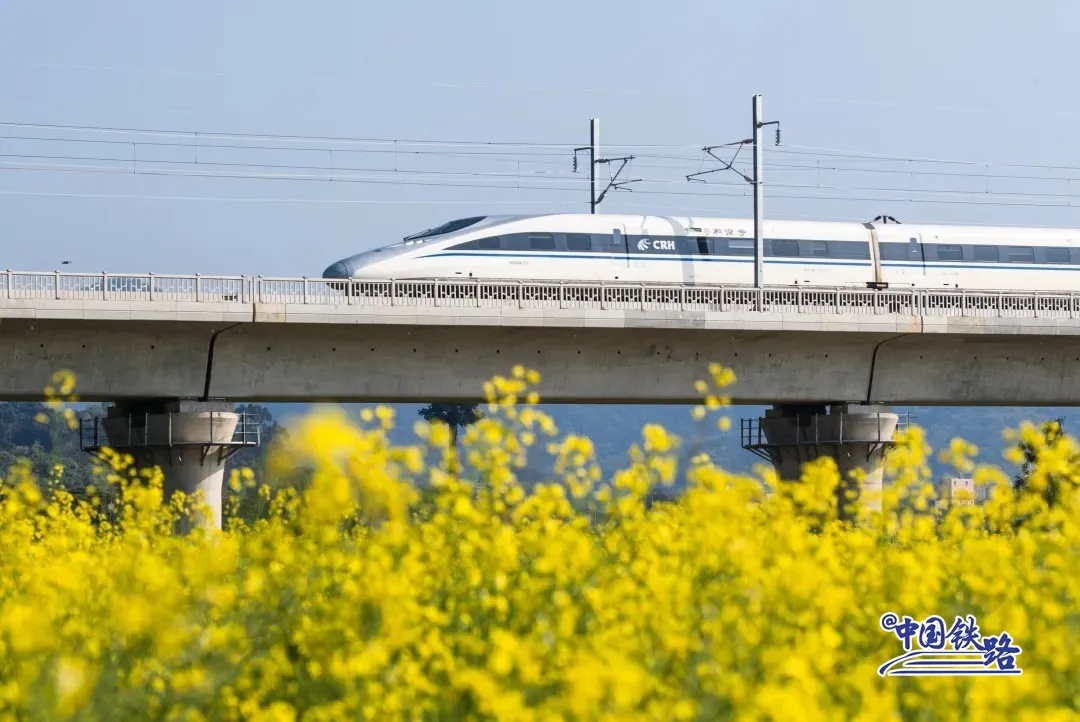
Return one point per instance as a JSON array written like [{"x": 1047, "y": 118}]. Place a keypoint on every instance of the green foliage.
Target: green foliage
[
  {"x": 1053, "y": 435},
  {"x": 454, "y": 416},
  {"x": 40, "y": 434},
  {"x": 270, "y": 432},
  {"x": 35, "y": 432},
  {"x": 1052, "y": 431}
]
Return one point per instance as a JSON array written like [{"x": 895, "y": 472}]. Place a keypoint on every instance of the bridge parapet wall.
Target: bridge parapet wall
[{"x": 188, "y": 293}]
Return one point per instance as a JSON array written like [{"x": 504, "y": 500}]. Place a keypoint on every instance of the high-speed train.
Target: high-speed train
[{"x": 720, "y": 251}]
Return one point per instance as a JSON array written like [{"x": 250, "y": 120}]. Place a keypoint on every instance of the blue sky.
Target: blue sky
[
  {"x": 985, "y": 83},
  {"x": 979, "y": 82}
]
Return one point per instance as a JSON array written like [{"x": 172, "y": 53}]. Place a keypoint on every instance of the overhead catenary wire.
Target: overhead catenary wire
[
  {"x": 506, "y": 156},
  {"x": 984, "y": 199},
  {"x": 786, "y": 159},
  {"x": 351, "y": 201},
  {"x": 400, "y": 201},
  {"x": 405, "y": 177},
  {"x": 809, "y": 166},
  {"x": 553, "y": 152},
  {"x": 270, "y": 137},
  {"x": 512, "y": 158},
  {"x": 229, "y": 199}
]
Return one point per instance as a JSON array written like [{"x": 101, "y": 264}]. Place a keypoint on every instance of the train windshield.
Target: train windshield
[{"x": 449, "y": 227}]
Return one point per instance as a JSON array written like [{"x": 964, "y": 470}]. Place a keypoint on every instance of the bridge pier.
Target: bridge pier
[
  {"x": 189, "y": 440},
  {"x": 856, "y": 436}
]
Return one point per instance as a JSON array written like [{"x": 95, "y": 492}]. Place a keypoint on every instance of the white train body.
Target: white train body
[{"x": 720, "y": 251}]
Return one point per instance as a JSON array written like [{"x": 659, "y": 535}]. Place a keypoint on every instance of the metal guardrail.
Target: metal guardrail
[
  {"x": 824, "y": 429},
  {"x": 534, "y": 294},
  {"x": 157, "y": 430}
]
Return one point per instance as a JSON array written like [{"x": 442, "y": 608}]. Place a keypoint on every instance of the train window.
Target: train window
[
  {"x": 950, "y": 253},
  {"x": 449, "y": 227},
  {"x": 849, "y": 249},
  {"x": 578, "y": 242},
  {"x": 702, "y": 245},
  {"x": 785, "y": 247},
  {"x": 1021, "y": 254},
  {"x": 894, "y": 251},
  {"x": 487, "y": 244},
  {"x": 736, "y": 246},
  {"x": 1057, "y": 255},
  {"x": 986, "y": 253},
  {"x": 542, "y": 242},
  {"x": 820, "y": 249}
]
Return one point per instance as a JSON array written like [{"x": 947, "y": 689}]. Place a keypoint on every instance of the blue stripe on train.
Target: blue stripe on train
[
  {"x": 742, "y": 259},
  {"x": 643, "y": 257}
]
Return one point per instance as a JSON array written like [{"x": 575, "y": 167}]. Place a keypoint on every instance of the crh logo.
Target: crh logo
[{"x": 658, "y": 245}]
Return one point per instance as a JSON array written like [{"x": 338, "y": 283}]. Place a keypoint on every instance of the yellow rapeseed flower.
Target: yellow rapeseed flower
[{"x": 383, "y": 586}]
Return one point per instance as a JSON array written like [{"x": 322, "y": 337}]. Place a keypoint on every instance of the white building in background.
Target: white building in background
[
  {"x": 961, "y": 491},
  {"x": 956, "y": 491}
]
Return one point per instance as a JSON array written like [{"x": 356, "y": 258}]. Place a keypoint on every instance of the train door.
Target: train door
[
  {"x": 916, "y": 266},
  {"x": 700, "y": 251},
  {"x": 946, "y": 261},
  {"x": 620, "y": 253},
  {"x": 814, "y": 271},
  {"x": 901, "y": 256}
]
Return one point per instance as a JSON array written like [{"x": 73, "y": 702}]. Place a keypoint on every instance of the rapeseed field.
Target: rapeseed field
[{"x": 385, "y": 588}]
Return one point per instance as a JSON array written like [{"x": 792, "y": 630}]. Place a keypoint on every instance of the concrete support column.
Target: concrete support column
[
  {"x": 856, "y": 436},
  {"x": 189, "y": 440}
]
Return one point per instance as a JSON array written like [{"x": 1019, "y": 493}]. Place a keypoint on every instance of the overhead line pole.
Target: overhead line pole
[
  {"x": 759, "y": 199},
  {"x": 594, "y": 154},
  {"x": 595, "y": 160},
  {"x": 756, "y": 181},
  {"x": 759, "y": 193}
]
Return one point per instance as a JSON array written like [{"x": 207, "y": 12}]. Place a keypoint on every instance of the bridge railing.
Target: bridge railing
[
  {"x": 828, "y": 429},
  {"x": 125, "y": 287},
  {"x": 99, "y": 431},
  {"x": 121, "y": 287}
]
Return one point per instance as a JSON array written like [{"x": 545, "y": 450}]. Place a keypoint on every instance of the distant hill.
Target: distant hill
[{"x": 612, "y": 428}]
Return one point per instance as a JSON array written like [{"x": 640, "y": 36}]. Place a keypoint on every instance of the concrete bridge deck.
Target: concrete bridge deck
[{"x": 241, "y": 338}]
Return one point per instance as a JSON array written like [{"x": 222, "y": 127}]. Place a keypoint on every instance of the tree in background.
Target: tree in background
[
  {"x": 660, "y": 495},
  {"x": 454, "y": 416},
  {"x": 249, "y": 505},
  {"x": 1052, "y": 431},
  {"x": 252, "y": 457},
  {"x": 33, "y": 432}
]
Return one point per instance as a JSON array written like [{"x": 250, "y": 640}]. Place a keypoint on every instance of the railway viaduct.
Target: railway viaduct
[{"x": 175, "y": 352}]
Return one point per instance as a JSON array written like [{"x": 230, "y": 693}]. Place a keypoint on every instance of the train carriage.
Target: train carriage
[{"x": 720, "y": 251}]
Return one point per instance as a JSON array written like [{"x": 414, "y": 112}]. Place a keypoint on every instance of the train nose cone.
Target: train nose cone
[{"x": 336, "y": 270}]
